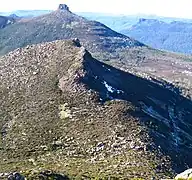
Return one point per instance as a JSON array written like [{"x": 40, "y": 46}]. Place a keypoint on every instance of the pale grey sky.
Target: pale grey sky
[{"x": 173, "y": 8}]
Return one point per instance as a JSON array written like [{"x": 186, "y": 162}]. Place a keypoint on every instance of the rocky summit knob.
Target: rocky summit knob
[{"x": 63, "y": 7}]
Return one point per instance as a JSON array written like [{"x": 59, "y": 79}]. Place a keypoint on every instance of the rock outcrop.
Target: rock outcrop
[
  {"x": 63, "y": 7},
  {"x": 11, "y": 176},
  {"x": 186, "y": 175},
  {"x": 5, "y": 21},
  {"x": 15, "y": 176}
]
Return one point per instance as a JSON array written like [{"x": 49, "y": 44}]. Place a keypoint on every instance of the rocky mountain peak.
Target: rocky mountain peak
[
  {"x": 13, "y": 16},
  {"x": 63, "y": 7}
]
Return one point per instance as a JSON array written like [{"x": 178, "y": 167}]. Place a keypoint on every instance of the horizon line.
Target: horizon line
[{"x": 102, "y": 13}]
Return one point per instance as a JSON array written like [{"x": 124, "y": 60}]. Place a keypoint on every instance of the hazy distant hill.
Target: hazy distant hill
[
  {"x": 123, "y": 22},
  {"x": 175, "y": 36},
  {"x": 6, "y": 20},
  {"x": 26, "y": 13}
]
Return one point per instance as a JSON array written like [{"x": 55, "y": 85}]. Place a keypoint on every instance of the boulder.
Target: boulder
[
  {"x": 15, "y": 176},
  {"x": 186, "y": 175}
]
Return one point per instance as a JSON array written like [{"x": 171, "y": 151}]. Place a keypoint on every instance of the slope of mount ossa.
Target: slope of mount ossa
[
  {"x": 104, "y": 43},
  {"x": 64, "y": 111}
]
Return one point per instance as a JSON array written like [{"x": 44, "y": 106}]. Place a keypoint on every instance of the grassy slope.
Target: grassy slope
[{"x": 67, "y": 131}]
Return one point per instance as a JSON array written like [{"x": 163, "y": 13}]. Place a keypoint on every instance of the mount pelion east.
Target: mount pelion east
[
  {"x": 63, "y": 24},
  {"x": 65, "y": 114}
]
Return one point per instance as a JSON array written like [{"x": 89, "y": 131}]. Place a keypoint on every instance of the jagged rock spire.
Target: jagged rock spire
[{"x": 63, "y": 7}]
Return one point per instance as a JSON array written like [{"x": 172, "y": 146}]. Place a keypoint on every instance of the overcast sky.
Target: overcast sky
[{"x": 173, "y": 8}]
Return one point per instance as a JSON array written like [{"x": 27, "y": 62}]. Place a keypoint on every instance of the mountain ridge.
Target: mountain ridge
[
  {"x": 68, "y": 105},
  {"x": 71, "y": 23},
  {"x": 173, "y": 36},
  {"x": 84, "y": 108},
  {"x": 104, "y": 44},
  {"x": 68, "y": 122}
]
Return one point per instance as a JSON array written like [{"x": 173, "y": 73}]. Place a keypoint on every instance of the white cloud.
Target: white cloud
[{"x": 176, "y": 8}]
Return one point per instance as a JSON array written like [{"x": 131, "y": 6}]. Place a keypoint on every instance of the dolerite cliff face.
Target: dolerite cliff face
[{"x": 64, "y": 111}]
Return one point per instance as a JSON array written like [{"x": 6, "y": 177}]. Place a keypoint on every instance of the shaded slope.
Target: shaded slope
[
  {"x": 57, "y": 112},
  {"x": 147, "y": 62},
  {"x": 4, "y": 21},
  {"x": 171, "y": 113}
]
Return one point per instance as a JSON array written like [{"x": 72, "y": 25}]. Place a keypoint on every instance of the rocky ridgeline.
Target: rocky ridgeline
[
  {"x": 89, "y": 117},
  {"x": 97, "y": 132}
]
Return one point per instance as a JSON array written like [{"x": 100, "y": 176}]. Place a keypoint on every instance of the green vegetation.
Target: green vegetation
[{"x": 52, "y": 122}]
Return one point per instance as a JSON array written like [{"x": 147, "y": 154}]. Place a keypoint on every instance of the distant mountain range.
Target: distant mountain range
[
  {"x": 122, "y": 22},
  {"x": 174, "y": 36},
  {"x": 171, "y": 34},
  {"x": 115, "y": 22}
]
